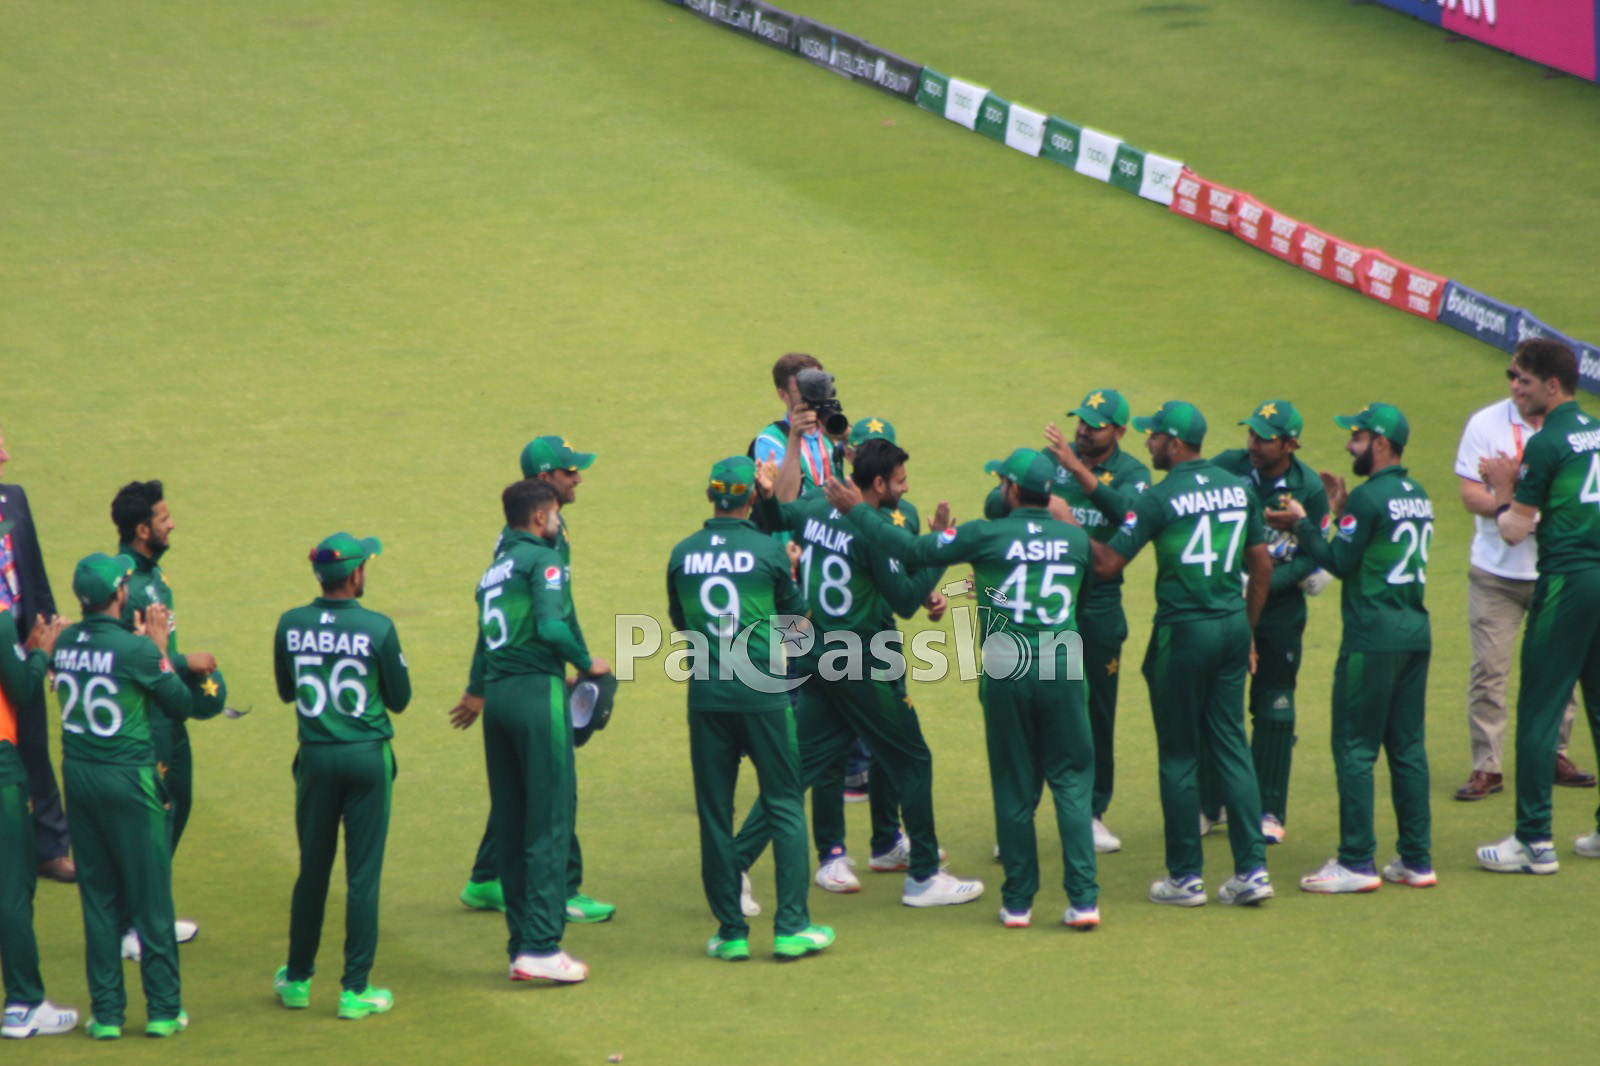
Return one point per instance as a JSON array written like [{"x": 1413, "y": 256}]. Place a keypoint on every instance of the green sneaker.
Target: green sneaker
[
  {"x": 296, "y": 995},
  {"x": 484, "y": 896},
  {"x": 168, "y": 1026},
  {"x": 811, "y": 939},
  {"x": 581, "y": 910},
  {"x": 99, "y": 1031},
  {"x": 728, "y": 950},
  {"x": 354, "y": 1005}
]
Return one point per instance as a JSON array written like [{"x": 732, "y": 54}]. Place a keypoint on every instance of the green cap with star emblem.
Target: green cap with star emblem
[
  {"x": 870, "y": 429},
  {"x": 1102, "y": 408},
  {"x": 337, "y": 557},
  {"x": 1275, "y": 418},
  {"x": 1177, "y": 419},
  {"x": 1381, "y": 418},
  {"x": 544, "y": 454},
  {"x": 732, "y": 480},
  {"x": 98, "y": 577},
  {"x": 1030, "y": 468}
]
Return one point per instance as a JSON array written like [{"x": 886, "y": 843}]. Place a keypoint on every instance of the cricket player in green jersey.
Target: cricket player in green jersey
[
  {"x": 1380, "y": 551},
  {"x": 553, "y": 460},
  {"x": 1099, "y": 482},
  {"x": 22, "y": 670},
  {"x": 1208, "y": 534},
  {"x": 890, "y": 847},
  {"x": 726, "y": 586},
  {"x": 340, "y": 665},
  {"x": 144, "y": 530},
  {"x": 1554, "y": 496},
  {"x": 850, "y": 585},
  {"x": 524, "y": 640},
  {"x": 110, "y": 683},
  {"x": 1032, "y": 568},
  {"x": 1275, "y": 475}
]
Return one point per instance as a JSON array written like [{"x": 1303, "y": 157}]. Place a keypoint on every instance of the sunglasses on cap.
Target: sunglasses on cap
[{"x": 738, "y": 488}]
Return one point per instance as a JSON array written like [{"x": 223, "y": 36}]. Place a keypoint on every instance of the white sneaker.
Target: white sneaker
[
  {"x": 940, "y": 890},
  {"x": 1588, "y": 847},
  {"x": 1272, "y": 829},
  {"x": 838, "y": 875},
  {"x": 898, "y": 858},
  {"x": 1512, "y": 856},
  {"x": 1246, "y": 891},
  {"x": 183, "y": 931},
  {"x": 747, "y": 898},
  {"x": 1208, "y": 824},
  {"x": 1105, "y": 841},
  {"x": 45, "y": 1019},
  {"x": 1401, "y": 874},
  {"x": 1016, "y": 919},
  {"x": 1188, "y": 892},
  {"x": 1084, "y": 918},
  {"x": 1335, "y": 877},
  {"x": 558, "y": 967}
]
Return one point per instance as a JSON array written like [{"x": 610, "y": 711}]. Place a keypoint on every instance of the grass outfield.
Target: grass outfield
[{"x": 330, "y": 266}]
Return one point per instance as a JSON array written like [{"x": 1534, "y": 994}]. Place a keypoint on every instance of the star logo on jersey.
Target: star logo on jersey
[
  {"x": 1201, "y": 479},
  {"x": 897, "y": 518},
  {"x": 794, "y": 631},
  {"x": 209, "y": 687},
  {"x": 1112, "y": 666},
  {"x": 875, "y": 426},
  {"x": 1095, "y": 401},
  {"x": 1409, "y": 487},
  {"x": 326, "y": 619},
  {"x": 83, "y": 638},
  {"x": 716, "y": 540},
  {"x": 1105, "y": 478},
  {"x": 1034, "y": 527},
  {"x": 1268, "y": 409}
]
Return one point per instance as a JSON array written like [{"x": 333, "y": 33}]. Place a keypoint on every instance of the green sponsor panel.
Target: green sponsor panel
[
  {"x": 1127, "y": 169},
  {"x": 993, "y": 115},
  {"x": 1061, "y": 141},
  {"x": 933, "y": 89}
]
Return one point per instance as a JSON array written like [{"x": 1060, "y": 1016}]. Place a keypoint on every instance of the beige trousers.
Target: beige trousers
[{"x": 1495, "y": 609}]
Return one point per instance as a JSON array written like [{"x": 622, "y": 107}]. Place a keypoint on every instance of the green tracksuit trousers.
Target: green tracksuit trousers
[
  {"x": 827, "y": 810},
  {"x": 1103, "y": 633},
  {"x": 1038, "y": 734},
  {"x": 1272, "y": 720},
  {"x": 486, "y": 868},
  {"x": 828, "y": 718},
  {"x": 715, "y": 742},
  {"x": 1560, "y": 647},
  {"x": 19, "y": 951},
  {"x": 175, "y": 758},
  {"x": 348, "y": 785},
  {"x": 122, "y": 838},
  {"x": 1378, "y": 700},
  {"x": 1196, "y": 673},
  {"x": 527, "y": 743}
]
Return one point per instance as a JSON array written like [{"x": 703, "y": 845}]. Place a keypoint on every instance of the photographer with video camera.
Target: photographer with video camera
[{"x": 807, "y": 443}]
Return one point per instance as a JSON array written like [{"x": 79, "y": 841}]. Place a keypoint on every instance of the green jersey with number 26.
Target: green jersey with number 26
[
  {"x": 110, "y": 682},
  {"x": 1201, "y": 519},
  {"x": 340, "y": 665},
  {"x": 1380, "y": 550}
]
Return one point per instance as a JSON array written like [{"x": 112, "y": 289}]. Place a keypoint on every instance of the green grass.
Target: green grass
[{"x": 324, "y": 267}]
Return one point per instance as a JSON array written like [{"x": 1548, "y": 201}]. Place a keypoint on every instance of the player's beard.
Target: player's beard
[
  {"x": 1083, "y": 444},
  {"x": 1363, "y": 463}
]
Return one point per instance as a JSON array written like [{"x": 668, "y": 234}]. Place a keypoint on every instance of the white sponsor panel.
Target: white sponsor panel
[
  {"x": 1096, "y": 152},
  {"x": 1160, "y": 178},
  {"x": 963, "y": 100},
  {"x": 1025, "y": 130}
]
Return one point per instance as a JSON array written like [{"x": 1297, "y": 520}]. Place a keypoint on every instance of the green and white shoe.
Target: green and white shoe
[
  {"x": 356, "y": 1005},
  {"x": 100, "y": 1031},
  {"x": 808, "y": 941},
  {"x": 581, "y": 910},
  {"x": 296, "y": 995},
  {"x": 728, "y": 950},
  {"x": 168, "y": 1026},
  {"x": 484, "y": 896}
]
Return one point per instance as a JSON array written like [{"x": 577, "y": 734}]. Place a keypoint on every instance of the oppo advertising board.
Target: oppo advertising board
[{"x": 1560, "y": 34}]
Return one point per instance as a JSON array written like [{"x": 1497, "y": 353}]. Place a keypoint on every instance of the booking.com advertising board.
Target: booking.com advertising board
[{"x": 1556, "y": 33}]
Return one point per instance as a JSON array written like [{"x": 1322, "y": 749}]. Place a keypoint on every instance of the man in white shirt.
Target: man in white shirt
[{"x": 1500, "y": 588}]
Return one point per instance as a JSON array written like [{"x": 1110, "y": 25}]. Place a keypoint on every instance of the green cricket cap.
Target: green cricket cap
[
  {"x": 871, "y": 429},
  {"x": 1384, "y": 419},
  {"x": 1177, "y": 419},
  {"x": 1275, "y": 418},
  {"x": 337, "y": 557},
  {"x": 1101, "y": 408},
  {"x": 208, "y": 694},
  {"x": 544, "y": 454},
  {"x": 98, "y": 577},
  {"x": 732, "y": 481},
  {"x": 589, "y": 705},
  {"x": 1028, "y": 467}
]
